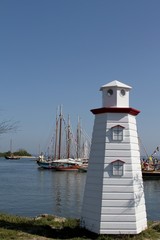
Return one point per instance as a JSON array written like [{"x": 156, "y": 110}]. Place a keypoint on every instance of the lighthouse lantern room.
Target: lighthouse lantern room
[
  {"x": 115, "y": 94},
  {"x": 113, "y": 201}
]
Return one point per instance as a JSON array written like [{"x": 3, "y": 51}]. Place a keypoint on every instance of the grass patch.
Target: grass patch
[{"x": 51, "y": 227}]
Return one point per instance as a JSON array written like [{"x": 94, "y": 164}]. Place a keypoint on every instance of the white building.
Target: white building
[{"x": 114, "y": 197}]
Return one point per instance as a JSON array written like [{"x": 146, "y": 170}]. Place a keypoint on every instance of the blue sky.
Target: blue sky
[{"x": 56, "y": 52}]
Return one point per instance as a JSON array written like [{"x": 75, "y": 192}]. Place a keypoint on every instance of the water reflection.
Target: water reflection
[
  {"x": 68, "y": 193},
  {"x": 65, "y": 191},
  {"x": 152, "y": 196},
  {"x": 29, "y": 191}
]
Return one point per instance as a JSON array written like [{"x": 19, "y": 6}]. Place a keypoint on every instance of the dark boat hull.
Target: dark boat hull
[
  {"x": 12, "y": 158},
  {"x": 151, "y": 175},
  {"x": 46, "y": 165}
]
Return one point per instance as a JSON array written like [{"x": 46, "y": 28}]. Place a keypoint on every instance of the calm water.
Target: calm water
[{"x": 26, "y": 190}]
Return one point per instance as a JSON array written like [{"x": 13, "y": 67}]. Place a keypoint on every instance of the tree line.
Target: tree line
[
  {"x": 20, "y": 152},
  {"x": 9, "y": 126}
]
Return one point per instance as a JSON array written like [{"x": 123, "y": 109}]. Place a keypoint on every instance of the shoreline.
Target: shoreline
[{"x": 49, "y": 227}]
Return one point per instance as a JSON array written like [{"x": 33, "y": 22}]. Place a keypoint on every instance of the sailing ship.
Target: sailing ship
[
  {"x": 10, "y": 155},
  {"x": 69, "y": 151},
  {"x": 67, "y": 165}
]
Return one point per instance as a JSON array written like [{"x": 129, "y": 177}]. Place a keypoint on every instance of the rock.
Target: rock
[{"x": 56, "y": 218}]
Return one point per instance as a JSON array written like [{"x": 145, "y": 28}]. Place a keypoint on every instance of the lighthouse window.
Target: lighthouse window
[
  {"x": 117, "y": 133},
  {"x": 123, "y": 92},
  {"x": 110, "y": 92},
  {"x": 118, "y": 168}
]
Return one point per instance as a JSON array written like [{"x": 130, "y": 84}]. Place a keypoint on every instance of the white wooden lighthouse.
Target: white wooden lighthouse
[{"x": 113, "y": 200}]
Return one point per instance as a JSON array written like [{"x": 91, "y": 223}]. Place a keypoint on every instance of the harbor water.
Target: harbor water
[{"x": 27, "y": 190}]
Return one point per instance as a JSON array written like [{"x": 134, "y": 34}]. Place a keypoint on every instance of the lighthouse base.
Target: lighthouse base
[{"x": 114, "y": 229}]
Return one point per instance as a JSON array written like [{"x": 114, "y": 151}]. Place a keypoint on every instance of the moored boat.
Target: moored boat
[
  {"x": 12, "y": 157},
  {"x": 60, "y": 165},
  {"x": 67, "y": 165},
  {"x": 69, "y": 152},
  {"x": 46, "y": 164}
]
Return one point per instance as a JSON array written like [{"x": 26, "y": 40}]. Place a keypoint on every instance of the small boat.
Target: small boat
[
  {"x": 12, "y": 157},
  {"x": 45, "y": 163}
]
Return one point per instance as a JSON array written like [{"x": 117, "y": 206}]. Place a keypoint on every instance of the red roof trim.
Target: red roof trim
[{"x": 131, "y": 111}]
